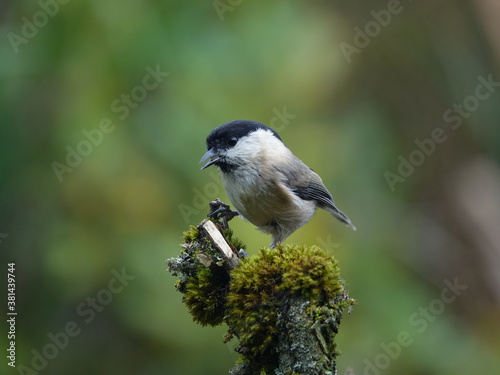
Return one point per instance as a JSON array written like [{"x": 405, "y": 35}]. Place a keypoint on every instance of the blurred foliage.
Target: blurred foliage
[{"x": 123, "y": 204}]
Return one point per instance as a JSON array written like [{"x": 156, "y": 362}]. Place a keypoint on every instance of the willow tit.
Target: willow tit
[{"x": 267, "y": 184}]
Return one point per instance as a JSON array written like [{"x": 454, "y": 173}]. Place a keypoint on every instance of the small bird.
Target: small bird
[{"x": 267, "y": 184}]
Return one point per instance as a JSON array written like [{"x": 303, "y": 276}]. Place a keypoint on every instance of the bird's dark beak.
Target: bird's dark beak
[{"x": 212, "y": 155}]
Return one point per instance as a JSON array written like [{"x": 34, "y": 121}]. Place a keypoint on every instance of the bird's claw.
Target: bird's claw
[{"x": 220, "y": 210}]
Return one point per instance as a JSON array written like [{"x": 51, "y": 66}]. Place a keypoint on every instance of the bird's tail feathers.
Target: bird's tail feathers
[{"x": 341, "y": 216}]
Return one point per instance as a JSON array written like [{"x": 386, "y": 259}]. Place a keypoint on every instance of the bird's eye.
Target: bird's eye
[{"x": 233, "y": 141}]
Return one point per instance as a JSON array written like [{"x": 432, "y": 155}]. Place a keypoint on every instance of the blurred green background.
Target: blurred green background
[{"x": 353, "y": 87}]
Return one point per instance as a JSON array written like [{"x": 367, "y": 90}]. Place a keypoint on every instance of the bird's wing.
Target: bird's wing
[
  {"x": 314, "y": 190},
  {"x": 304, "y": 182},
  {"x": 307, "y": 185}
]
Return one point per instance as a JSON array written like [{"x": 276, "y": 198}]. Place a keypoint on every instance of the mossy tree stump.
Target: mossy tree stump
[{"x": 284, "y": 305}]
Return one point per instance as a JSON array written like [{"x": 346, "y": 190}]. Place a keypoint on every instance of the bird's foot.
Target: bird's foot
[{"x": 221, "y": 212}]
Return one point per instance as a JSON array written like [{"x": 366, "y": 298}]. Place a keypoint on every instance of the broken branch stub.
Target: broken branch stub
[{"x": 217, "y": 239}]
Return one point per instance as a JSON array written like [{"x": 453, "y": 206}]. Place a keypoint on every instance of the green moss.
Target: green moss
[
  {"x": 203, "y": 280},
  {"x": 205, "y": 296},
  {"x": 191, "y": 234},
  {"x": 262, "y": 285}
]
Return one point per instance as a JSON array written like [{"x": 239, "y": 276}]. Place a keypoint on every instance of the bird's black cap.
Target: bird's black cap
[{"x": 221, "y": 136}]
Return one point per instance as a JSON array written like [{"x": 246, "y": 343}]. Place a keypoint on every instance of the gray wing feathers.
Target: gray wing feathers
[{"x": 310, "y": 187}]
